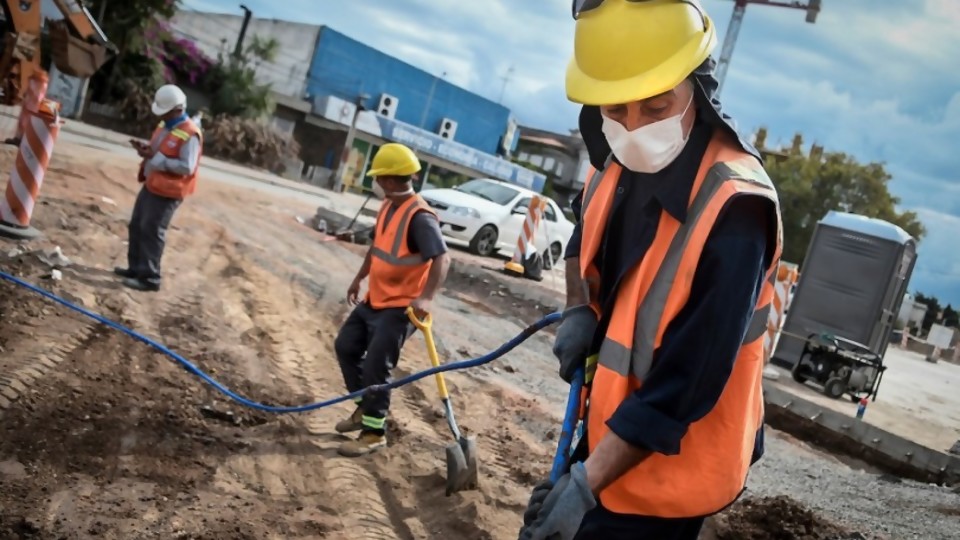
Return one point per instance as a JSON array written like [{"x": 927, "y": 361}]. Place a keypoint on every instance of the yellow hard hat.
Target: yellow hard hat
[
  {"x": 629, "y": 50},
  {"x": 394, "y": 159}
]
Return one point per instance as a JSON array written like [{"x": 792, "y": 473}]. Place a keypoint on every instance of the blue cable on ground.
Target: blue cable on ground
[{"x": 463, "y": 364}]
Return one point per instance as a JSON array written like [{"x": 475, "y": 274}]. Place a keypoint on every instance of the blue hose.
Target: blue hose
[
  {"x": 571, "y": 415},
  {"x": 463, "y": 364}
]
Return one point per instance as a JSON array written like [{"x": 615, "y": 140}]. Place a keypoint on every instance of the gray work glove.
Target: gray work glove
[
  {"x": 574, "y": 337},
  {"x": 540, "y": 493},
  {"x": 561, "y": 513}
]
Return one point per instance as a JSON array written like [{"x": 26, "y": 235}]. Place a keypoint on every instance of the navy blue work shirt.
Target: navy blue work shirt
[{"x": 694, "y": 361}]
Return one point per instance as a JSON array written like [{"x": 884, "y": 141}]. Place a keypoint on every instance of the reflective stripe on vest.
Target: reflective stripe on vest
[
  {"x": 167, "y": 184},
  {"x": 710, "y": 470},
  {"x": 639, "y": 359},
  {"x": 397, "y": 276},
  {"x": 393, "y": 256}
]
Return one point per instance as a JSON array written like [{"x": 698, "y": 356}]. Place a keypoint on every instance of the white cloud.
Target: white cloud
[{"x": 937, "y": 272}]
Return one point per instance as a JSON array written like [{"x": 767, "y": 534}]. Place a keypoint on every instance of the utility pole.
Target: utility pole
[
  {"x": 506, "y": 78},
  {"x": 238, "y": 49},
  {"x": 426, "y": 109},
  {"x": 812, "y": 7},
  {"x": 348, "y": 145}
]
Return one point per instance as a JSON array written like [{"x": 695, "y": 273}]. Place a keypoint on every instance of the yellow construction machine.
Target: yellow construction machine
[{"x": 78, "y": 47}]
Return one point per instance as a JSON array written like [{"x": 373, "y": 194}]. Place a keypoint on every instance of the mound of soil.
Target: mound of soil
[{"x": 775, "y": 518}]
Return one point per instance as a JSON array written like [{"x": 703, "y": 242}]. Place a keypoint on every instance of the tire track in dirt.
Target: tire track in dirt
[
  {"x": 397, "y": 504},
  {"x": 21, "y": 372},
  {"x": 285, "y": 346}
]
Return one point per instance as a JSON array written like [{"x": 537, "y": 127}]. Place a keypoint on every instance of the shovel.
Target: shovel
[
  {"x": 462, "y": 469},
  {"x": 571, "y": 420}
]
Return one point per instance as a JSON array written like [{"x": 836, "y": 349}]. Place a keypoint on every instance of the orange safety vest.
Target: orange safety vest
[
  {"x": 397, "y": 276},
  {"x": 711, "y": 469},
  {"x": 166, "y": 184}
]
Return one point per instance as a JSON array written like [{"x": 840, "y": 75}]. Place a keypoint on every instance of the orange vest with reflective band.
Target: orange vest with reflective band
[
  {"x": 711, "y": 469},
  {"x": 397, "y": 276},
  {"x": 167, "y": 184}
]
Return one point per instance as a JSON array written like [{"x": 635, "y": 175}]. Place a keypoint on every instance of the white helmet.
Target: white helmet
[{"x": 168, "y": 98}]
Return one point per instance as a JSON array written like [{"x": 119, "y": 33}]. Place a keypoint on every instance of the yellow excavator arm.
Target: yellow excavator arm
[{"x": 78, "y": 46}]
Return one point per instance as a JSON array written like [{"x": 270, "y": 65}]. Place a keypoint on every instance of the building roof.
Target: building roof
[
  {"x": 866, "y": 225},
  {"x": 546, "y": 141},
  {"x": 570, "y": 143}
]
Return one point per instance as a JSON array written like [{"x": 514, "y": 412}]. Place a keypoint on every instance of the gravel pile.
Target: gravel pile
[{"x": 873, "y": 504}]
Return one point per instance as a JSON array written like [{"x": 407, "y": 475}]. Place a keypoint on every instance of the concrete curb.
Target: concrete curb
[{"x": 847, "y": 435}]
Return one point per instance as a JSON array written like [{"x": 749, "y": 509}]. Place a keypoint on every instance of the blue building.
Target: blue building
[
  {"x": 318, "y": 80},
  {"x": 345, "y": 68}
]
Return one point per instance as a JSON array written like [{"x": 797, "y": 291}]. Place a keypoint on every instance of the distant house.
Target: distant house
[
  {"x": 911, "y": 312},
  {"x": 563, "y": 158}
]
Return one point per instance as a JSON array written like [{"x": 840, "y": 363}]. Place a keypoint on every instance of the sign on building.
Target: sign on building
[{"x": 461, "y": 154}]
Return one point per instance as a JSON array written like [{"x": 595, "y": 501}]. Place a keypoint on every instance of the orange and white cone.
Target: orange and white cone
[
  {"x": 26, "y": 178},
  {"x": 787, "y": 275},
  {"x": 36, "y": 93},
  {"x": 525, "y": 243}
]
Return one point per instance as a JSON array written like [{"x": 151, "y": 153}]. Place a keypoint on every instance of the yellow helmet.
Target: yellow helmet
[
  {"x": 629, "y": 50},
  {"x": 394, "y": 159}
]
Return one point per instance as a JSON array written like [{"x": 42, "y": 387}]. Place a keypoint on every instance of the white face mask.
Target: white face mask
[
  {"x": 383, "y": 194},
  {"x": 378, "y": 191},
  {"x": 650, "y": 148}
]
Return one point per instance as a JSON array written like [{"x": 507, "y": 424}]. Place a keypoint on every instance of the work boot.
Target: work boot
[
  {"x": 140, "y": 285},
  {"x": 354, "y": 423},
  {"x": 366, "y": 443},
  {"x": 124, "y": 272}
]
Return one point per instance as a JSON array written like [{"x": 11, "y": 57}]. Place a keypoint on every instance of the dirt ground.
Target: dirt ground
[{"x": 102, "y": 436}]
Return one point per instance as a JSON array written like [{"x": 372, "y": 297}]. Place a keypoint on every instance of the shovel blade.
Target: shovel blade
[
  {"x": 462, "y": 468},
  {"x": 471, "y": 478},
  {"x": 456, "y": 468}
]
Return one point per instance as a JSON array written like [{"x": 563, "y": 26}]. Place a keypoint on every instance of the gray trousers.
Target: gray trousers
[
  {"x": 368, "y": 347},
  {"x": 148, "y": 234}
]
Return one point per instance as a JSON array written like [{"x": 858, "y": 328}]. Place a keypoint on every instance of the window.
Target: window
[
  {"x": 523, "y": 156},
  {"x": 491, "y": 191},
  {"x": 550, "y": 213},
  {"x": 523, "y": 203},
  {"x": 559, "y": 169},
  {"x": 548, "y": 164},
  {"x": 536, "y": 161}
]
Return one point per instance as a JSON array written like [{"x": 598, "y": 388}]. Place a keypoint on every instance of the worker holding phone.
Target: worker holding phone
[{"x": 168, "y": 174}]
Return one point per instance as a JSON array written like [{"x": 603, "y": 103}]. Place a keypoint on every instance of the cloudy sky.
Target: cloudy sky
[{"x": 874, "y": 78}]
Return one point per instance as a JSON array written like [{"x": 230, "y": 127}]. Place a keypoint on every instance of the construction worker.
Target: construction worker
[
  {"x": 668, "y": 287},
  {"x": 406, "y": 264},
  {"x": 168, "y": 173}
]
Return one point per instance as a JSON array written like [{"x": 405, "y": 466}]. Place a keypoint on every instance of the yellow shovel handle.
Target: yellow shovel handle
[{"x": 426, "y": 326}]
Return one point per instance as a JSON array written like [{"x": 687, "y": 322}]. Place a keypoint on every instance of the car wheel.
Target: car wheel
[
  {"x": 552, "y": 255},
  {"x": 484, "y": 243}
]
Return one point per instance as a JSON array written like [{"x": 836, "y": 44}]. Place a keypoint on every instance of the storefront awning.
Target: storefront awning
[{"x": 431, "y": 143}]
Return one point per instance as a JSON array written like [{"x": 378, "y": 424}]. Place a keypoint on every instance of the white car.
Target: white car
[{"x": 489, "y": 214}]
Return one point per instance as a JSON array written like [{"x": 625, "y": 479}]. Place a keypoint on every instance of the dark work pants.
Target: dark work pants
[
  {"x": 368, "y": 348},
  {"x": 148, "y": 234},
  {"x": 601, "y": 524}
]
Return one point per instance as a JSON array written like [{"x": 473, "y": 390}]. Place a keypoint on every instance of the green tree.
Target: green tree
[
  {"x": 935, "y": 310},
  {"x": 232, "y": 81},
  {"x": 136, "y": 27},
  {"x": 951, "y": 317},
  {"x": 809, "y": 187}
]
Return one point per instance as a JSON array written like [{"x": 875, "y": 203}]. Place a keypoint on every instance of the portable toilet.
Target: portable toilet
[{"x": 851, "y": 284}]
